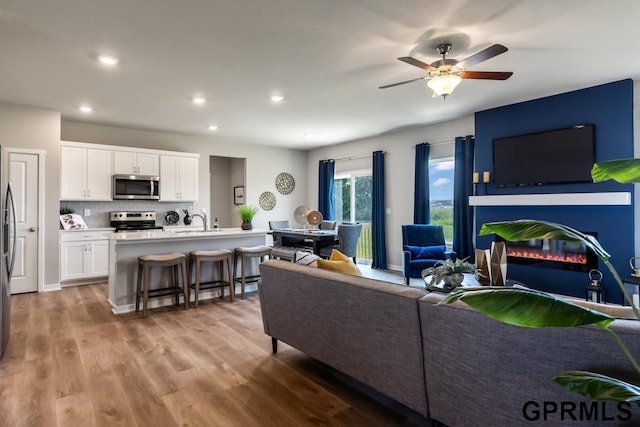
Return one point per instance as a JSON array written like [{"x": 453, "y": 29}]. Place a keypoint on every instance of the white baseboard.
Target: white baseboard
[{"x": 51, "y": 287}]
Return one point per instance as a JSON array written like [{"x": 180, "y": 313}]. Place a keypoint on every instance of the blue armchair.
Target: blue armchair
[{"x": 422, "y": 246}]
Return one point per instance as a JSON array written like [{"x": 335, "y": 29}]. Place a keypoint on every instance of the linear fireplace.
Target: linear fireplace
[{"x": 551, "y": 253}]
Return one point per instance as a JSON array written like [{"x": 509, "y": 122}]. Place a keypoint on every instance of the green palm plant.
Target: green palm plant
[
  {"x": 247, "y": 212},
  {"x": 536, "y": 309}
]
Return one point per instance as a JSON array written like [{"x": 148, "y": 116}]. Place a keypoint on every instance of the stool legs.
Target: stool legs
[
  {"x": 242, "y": 256},
  {"x": 217, "y": 258},
  {"x": 145, "y": 296},
  {"x": 178, "y": 274},
  {"x": 185, "y": 285}
]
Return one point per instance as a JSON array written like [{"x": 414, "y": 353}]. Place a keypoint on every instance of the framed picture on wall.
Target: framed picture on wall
[{"x": 238, "y": 195}]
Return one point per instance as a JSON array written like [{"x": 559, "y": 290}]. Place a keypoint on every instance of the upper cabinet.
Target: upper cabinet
[
  {"x": 178, "y": 178},
  {"x": 86, "y": 171},
  {"x": 85, "y": 174},
  {"x": 137, "y": 163}
]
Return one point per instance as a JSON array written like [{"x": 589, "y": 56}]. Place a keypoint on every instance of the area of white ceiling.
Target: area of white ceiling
[{"x": 327, "y": 57}]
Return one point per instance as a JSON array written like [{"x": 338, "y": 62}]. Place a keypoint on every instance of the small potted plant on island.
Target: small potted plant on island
[
  {"x": 247, "y": 212},
  {"x": 450, "y": 272}
]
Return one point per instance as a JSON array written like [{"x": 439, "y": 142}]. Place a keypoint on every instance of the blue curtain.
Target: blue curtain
[
  {"x": 421, "y": 213},
  {"x": 378, "y": 226},
  {"x": 462, "y": 189},
  {"x": 325, "y": 188}
]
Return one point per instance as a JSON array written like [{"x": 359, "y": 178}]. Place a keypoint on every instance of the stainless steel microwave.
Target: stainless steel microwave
[{"x": 133, "y": 187}]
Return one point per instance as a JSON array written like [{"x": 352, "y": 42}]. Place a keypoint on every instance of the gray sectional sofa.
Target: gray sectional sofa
[{"x": 448, "y": 363}]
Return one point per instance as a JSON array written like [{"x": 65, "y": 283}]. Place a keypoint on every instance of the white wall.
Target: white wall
[
  {"x": 38, "y": 129},
  {"x": 263, "y": 163},
  {"x": 399, "y": 166}
]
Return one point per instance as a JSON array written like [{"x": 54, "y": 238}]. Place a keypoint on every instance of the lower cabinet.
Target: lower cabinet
[{"x": 83, "y": 255}]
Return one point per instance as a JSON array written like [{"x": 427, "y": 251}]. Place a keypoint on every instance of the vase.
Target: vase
[
  {"x": 453, "y": 280},
  {"x": 246, "y": 226}
]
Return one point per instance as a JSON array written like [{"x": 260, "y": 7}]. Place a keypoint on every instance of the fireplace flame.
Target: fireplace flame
[{"x": 546, "y": 256}]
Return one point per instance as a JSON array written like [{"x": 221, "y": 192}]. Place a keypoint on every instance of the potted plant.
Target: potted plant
[
  {"x": 538, "y": 309},
  {"x": 65, "y": 210},
  {"x": 448, "y": 271},
  {"x": 247, "y": 212}
]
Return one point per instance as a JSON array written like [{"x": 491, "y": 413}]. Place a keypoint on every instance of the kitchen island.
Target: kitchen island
[{"x": 125, "y": 248}]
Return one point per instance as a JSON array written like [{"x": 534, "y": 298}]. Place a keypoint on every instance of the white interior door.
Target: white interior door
[{"x": 23, "y": 176}]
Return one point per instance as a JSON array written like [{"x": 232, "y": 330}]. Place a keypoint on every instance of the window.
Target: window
[
  {"x": 352, "y": 202},
  {"x": 441, "y": 195}
]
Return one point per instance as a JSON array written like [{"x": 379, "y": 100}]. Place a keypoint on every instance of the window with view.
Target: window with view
[
  {"x": 352, "y": 202},
  {"x": 441, "y": 195}
]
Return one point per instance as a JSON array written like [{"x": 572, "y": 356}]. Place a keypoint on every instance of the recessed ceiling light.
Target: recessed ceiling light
[
  {"x": 85, "y": 108},
  {"x": 213, "y": 127},
  {"x": 277, "y": 98},
  {"x": 199, "y": 100},
  {"x": 108, "y": 59}
]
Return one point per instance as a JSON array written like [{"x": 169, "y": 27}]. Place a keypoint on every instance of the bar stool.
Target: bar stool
[
  {"x": 146, "y": 263},
  {"x": 218, "y": 257},
  {"x": 244, "y": 253}
]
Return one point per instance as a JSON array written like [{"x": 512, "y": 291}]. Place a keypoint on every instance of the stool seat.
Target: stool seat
[
  {"x": 242, "y": 254},
  {"x": 172, "y": 257},
  {"x": 212, "y": 254},
  {"x": 174, "y": 260},
  {"x": 254, "y": 250},
  {"x": 216, "y": 256}
]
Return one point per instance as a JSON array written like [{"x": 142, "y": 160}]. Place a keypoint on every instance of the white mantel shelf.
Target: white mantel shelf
[{"x": 559, "y": 199}]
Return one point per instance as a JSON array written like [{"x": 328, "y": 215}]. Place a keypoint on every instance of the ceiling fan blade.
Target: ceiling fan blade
[
  {"x": 402, "y": 83},
  {"x": 487, "y": 75},
  {"x": 483, "y": 55},
  {"x": 416, "y": 63}
]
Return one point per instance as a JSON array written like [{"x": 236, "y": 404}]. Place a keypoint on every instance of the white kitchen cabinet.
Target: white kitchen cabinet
[
  {"x": 85, "y": 174},
  {"x": 138, "y": 163},
  {"x": 178, "y": 178},
  {"x": 83, "y": 255}
]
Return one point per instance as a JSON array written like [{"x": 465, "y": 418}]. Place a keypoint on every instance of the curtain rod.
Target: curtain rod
[
  {"x": 361, "y": 156},
  {"x": 450, "y": 141}
]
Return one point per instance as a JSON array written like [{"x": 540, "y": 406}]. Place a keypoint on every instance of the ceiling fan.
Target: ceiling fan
[{"x": 445, "y": 74}]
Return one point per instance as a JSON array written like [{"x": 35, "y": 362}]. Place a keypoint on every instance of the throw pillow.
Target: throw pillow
[
  {"x": 306, "y": 258},
  {"x": 339, "y": 262},
  {"x": 426, "y": 252}
]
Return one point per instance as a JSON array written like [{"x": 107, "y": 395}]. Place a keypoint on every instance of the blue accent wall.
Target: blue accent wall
[{"x": 610, "y": 108}]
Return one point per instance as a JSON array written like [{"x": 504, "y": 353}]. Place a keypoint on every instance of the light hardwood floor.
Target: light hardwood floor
[{"x": 70, "y": 362}]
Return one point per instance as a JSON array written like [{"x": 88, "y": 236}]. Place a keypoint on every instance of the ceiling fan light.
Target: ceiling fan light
[{"x": 444, "y": 85}]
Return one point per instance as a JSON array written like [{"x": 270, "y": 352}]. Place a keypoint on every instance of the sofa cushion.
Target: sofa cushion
[
  {"x": 339, "y": 262},
  {"x": 426, "y": 252}
]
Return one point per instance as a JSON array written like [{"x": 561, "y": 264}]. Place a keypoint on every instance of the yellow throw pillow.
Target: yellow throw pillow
[{"x": 339, "y": 262}]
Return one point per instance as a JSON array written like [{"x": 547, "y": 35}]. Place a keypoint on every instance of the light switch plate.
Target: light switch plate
[{"x": 86, "y": 212}]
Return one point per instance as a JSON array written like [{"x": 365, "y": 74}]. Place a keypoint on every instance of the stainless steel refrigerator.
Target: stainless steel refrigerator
[{"x": 8, "y": 243}]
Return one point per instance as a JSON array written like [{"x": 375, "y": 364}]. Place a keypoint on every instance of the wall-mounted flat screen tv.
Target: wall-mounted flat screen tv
[{"x": 552, "y": 157}]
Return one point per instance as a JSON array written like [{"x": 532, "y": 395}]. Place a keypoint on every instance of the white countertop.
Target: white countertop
[
  {"x": 182, "y": 234},
  {"x": 88, "y": 229}
]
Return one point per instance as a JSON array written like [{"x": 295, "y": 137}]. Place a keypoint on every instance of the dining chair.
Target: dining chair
[{"x": 348, "y": 235}]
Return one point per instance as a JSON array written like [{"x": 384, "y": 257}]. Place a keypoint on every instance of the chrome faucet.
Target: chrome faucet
[{"x": 203, "y": 217}]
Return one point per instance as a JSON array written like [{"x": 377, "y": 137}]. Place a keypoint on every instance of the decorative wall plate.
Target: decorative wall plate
[
  {"x": 314, "y": 217},
  {"x": 267, "y": 200},
  {"x": 300, "y": 214},
  {"x": 285, "y": 183}
]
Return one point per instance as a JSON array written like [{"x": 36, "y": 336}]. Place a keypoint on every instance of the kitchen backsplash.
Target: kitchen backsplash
[{"x": 100, "y": 210}]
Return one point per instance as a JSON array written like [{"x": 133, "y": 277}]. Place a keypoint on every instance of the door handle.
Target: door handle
[{"x": 32, "y": 229}]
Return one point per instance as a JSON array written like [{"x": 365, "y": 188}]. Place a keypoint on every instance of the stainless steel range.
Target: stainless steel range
[{"x": 134, "y": 221}]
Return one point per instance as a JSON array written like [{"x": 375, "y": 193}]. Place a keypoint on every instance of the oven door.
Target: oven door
[{"x": 129, "y": 187}]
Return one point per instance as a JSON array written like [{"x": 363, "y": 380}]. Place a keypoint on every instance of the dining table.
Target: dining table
[{"x": 297, "y": 237}]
